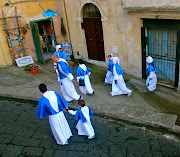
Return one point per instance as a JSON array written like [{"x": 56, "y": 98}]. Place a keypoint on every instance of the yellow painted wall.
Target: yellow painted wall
[
  {"x": 5, "y": 57},
  {"x": 31, "y": 11}
]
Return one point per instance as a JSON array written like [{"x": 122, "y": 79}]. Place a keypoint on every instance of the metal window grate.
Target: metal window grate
[{"x": 162, "y": 45}]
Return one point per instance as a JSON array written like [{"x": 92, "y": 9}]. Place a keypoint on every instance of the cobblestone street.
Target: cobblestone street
[{"x": 23, "y": 134}]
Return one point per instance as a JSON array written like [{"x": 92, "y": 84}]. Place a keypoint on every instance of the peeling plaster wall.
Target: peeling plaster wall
[
  {"x": 116, "y": 28},
  {"x": 5, "y": 57},
  {"x": 152, "y": 3},
  {"x": 120, "y": 27},
  {"x": 29, "y": 10}
]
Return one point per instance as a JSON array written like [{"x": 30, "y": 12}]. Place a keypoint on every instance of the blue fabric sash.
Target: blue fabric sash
[
  {"x": 65, "y": 68},
  {"x": 81, "y": 72},
  {"x": 79, "y": 115},
  {"x": 60, "y": 55},
  {"x": 110, "y": 65},
  {"x": 119, "y": 69},
  {"x": 44, "y": 107},
  {"x": 151, "y": 67}
]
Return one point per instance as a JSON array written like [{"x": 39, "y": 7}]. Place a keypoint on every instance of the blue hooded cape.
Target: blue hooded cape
[
  {"x": 44, "y": 107},
  {"x": 81, "y": 72},
  {"x": 118, "y": 69},
  {"x": 151, "y": 67},
  {"x": 79, "y": 115},
  {"x": 65, "y": 68},
  {"x": 60, "y": 55},
  {"x": 110, "y": 65}
]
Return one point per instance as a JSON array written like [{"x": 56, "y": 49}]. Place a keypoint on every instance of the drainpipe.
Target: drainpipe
[{"x": 66, "y": 20}]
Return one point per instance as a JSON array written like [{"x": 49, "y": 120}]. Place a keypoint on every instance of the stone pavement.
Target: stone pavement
[
  {"x": 159, "y": 109},
  {"x": 22, "y": 134}
]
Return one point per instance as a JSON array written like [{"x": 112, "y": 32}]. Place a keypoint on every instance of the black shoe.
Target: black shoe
[
  {"x": 80, "y": 98},
  {"x": 92, "y": 93}
]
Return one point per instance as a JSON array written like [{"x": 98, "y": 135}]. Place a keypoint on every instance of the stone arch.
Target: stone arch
[
  {"x": 103, "y": 18},
  {"x": 91, "y": 18},
  {"x": 90, "y": 10}
]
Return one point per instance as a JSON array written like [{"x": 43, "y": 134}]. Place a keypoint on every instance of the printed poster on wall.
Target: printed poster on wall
[{"x": 24, "y": 61}]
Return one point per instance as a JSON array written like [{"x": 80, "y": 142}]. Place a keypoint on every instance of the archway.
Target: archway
[{"x": 92, "y": 26}]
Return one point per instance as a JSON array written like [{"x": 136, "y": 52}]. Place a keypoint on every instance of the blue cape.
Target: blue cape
[
  {"x": 60, "y": 55},
  {"x": 44, "y": 107},
  {"x": 65, "y": 68},
  {"x": 81, "y": 72},
  {"x": 110, "y": 65},
  {"x": 151, "y": 67},
  {"x": 119, "y": 69},
  {"x": 79, "y": 115}
]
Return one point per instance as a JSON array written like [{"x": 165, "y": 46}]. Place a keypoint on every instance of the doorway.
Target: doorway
[
  {"x": 162, "y": 40},
  {"x": 44, "y": 38},
  {"x": 92, "y": 26}
]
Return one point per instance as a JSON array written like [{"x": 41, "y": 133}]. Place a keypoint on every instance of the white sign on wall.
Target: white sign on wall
[
  {"x": 114, "y": 49},
  {"x": 24, "y": 61}
]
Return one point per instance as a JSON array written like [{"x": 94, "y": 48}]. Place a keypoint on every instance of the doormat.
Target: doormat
[{"x": 178, "y": 121}]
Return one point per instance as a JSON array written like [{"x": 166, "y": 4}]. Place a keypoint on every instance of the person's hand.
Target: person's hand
[
  {"x": 115, "y": 81},
  {"x": 74, "y": 80},
  {"x": 66, "y": 109}
]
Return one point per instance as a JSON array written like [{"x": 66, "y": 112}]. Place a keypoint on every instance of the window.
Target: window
[{"x": 90, "y": 10}]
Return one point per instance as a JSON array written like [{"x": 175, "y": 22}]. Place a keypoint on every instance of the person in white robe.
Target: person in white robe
[
  {"x": 109, "y": 74},
  {"x": 60, "y": 54},
  {"x": 84, "y": 115},
  {"x": 52, "y": 104},
  {"x": 118, "y": 85},
  {"x": 151, "y": 80},
  {"x": 66, "y": 80},
  {"x": 83, "y": 73}
]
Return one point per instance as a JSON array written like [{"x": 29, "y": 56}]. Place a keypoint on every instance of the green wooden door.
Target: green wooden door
[
  {"x": 37, "y": 44},
  {"x": 177, "y": 60},
  {"x": 52, "y": 25},
  {"x": 143, "y": 44}
]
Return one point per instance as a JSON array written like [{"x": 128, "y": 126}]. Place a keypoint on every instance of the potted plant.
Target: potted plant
[
  {"x": 34, "y": 69},
  {"x": 27, "y": 67}
]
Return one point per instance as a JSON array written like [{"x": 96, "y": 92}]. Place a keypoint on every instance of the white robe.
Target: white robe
[
  {"x": 86, "y": 128},
  {"x": 109, "y": 77},
  {"x": 58, "y": 123},
  {"x": 67, "y": 87},
  {"x": 68, "y": 90},
  {"x": 151, "y": 84},
  {"x": 87, "y": 89},
  {"x": 120, "y": 87}
]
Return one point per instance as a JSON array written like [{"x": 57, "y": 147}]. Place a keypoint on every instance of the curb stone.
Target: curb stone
[{"x": 132, "y": 121}]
